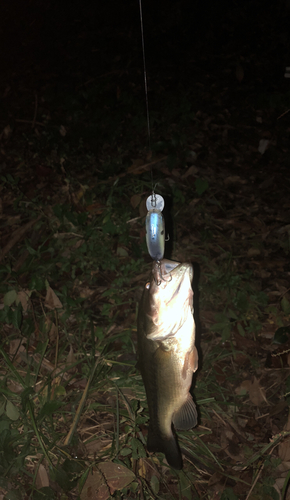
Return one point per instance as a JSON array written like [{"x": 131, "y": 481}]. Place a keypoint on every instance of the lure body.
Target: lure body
[
  {"x": 155, "y": 226},
  {"x": 155, "y": 234}
]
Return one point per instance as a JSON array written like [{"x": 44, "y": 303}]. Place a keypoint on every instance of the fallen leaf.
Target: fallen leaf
[
  {"x": 70, "y": 361},
  {"x": 23, "y": 297},
  {"x": 232, "y": 179},
  {"x": 42, "y": 479},
  {"x": 230, "y": 445},
  {"x": 51, "y": 329},
  {"x": 96, "y": 208},
  {"x": 263, "y": 146},
  {"x": 97, "y": 445},
  {"x": 16, "y": 346},
  {"x": 51, "y": 300},
  {"x": 135, "y": 200},
  {"x": 105, "y": 480},
  {"x": 117, "y": 476},
  {"x": 256, "y": 393},
  {"x": 253, "y": 252},
  {"x": 15, "y": 387}
]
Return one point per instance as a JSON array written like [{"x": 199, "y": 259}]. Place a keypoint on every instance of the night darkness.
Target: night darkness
[{"x": 82, "y": 40}]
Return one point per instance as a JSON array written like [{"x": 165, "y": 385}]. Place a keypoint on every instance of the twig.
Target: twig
[
  {"x": 80, "y": 407},
  {"x": 257, "y": 477},
  {"x": 285, "y": 113},
  {"x": 30, "y": 121}
]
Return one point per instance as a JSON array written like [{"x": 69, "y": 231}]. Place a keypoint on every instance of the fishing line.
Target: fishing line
[
  {"x": 146, "y": 87},
  {"x": 155, "y": 225}
]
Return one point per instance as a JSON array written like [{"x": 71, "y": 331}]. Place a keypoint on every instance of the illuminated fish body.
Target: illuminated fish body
[
  {"x": 168, "y": 356},
  {"x": 155, "y": 234}
]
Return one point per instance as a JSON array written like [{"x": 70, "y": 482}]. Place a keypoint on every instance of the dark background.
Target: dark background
[
  {"x": 87, "y": 38},
  {"x": 80, "y": 65}
]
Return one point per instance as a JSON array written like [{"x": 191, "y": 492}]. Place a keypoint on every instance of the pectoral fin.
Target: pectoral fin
[
  {"x": 190, "y": 362},
  {"x": 186, "y": 417}
]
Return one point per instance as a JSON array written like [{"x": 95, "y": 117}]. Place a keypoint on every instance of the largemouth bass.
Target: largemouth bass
[{"x": 167, "y": 355}]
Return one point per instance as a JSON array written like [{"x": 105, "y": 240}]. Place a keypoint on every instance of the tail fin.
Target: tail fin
[{"x": 167, "y": 445}]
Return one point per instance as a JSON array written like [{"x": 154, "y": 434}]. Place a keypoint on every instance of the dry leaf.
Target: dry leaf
[
  {"x": 23, "y": 297},
  {"x": 106, "y": 479},
  {"x": 253, "y": 252},
  {"x": 135, "y": 200},
  {"x": 94, "y": 447},
  {"x": 117, "y": 476},
  {"x": 51, "y": 300},
  {"x": 51, "y": 329},
  {"x": 15, "y": 387},
  {"x": 256, "y": 393},
  {"x": 42, "y": 479},
  {"x": 95, "y": 487},
  {"x": 230, "y": 445},
  {"x": 279, "y": 486},
  {"x": 86, "y": 292},
  {"x": 96, "y": 208},
  {"x": 16, "y": 346},
  {"x": 232, "y": 179},
  {"x": 263, "y": 146},
  {"x": 70, "y": 361}
]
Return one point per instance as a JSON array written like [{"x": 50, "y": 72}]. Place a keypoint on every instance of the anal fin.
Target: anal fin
[{"x": 186, "y": 417}]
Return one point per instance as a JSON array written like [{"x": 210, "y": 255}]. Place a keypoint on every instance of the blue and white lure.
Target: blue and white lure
[{"x": 155, "y": 227}]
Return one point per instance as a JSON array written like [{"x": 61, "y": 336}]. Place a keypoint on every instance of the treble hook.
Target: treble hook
[{"x": 158, "y": 278}]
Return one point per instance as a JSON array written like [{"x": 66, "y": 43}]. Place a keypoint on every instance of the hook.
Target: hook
[{"x": 158, "y": 278}]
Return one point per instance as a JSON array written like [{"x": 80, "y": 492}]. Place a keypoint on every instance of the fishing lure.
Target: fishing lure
[{"x": 155, "y": 226}]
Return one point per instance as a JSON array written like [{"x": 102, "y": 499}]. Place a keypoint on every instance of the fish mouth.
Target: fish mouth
[
  {"x": 169, "y": 271},
  {"x": 171, "y": 278},
  {"x": 162, "y": 271}
]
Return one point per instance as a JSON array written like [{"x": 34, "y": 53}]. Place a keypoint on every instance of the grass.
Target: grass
[{"x": 72, "y": 404}]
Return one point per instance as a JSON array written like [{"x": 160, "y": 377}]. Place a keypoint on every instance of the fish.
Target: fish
[{"x": 167, "y": 355}]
